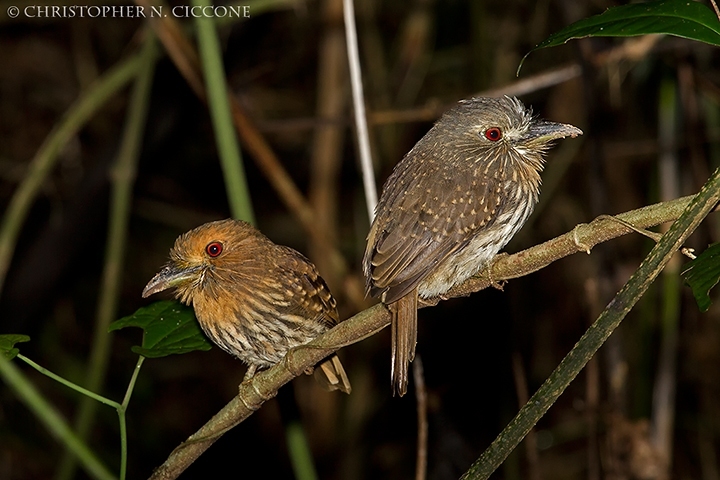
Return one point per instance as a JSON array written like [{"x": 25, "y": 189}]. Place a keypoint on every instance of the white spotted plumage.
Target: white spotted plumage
[{"x": 450, "y": 205}]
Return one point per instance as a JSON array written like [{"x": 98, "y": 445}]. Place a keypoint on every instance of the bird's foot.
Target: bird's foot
[
  {"x": 290, "y": 364},
  {"x": 250, "y": 373},
  {"x": 249, "y": 393},
  {"x": 496, "y": 284},
  {"x": 429, "y": 302}
]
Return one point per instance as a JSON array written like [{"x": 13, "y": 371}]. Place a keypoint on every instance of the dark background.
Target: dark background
[{"x": 414, "y": 54}]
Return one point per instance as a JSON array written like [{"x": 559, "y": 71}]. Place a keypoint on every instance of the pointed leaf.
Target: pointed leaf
[
  {"x": 170, "y": 328},
  {"x": 682, "y": 18},
  {"x": 702, "y": 274},
  {"x": 7, "y": 344}
]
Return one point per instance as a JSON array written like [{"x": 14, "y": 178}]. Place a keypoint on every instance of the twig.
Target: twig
[
  {"x": 52, "y": 419},
  {"x": 361, "y": 128},
  {"x": 715, "y": 7},
  {"x": 265, "y": 384},
  {"x": 422, "y": 438}
]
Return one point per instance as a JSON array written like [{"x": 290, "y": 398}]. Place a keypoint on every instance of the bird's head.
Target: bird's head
[
  {"x": 488, "y": 129},
  {"x": 202, "y": 258}
]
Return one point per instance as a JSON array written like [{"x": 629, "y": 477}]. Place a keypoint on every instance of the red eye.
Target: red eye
[
  {"x": 493, "y": 134},
  {"x": 214, "y": 249}
]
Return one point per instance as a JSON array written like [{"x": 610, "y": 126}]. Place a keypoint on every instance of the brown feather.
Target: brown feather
[
  {"x": 404, "y": 339},
  {"x": 255, "y": 299},
  {"x": 451, "y": 204}
]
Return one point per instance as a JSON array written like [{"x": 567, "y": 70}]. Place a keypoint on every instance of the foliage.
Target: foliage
[
  {"x": 682, "y": 18},
  {"x": 7, "y": 344},
  {"x": 702, "y": 274},
  {"x": 169, "y": 328}
]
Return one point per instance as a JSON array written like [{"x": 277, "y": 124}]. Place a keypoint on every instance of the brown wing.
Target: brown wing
[
  {"x": 420, "y": 222},
  {"x": 311, "y": 296}
]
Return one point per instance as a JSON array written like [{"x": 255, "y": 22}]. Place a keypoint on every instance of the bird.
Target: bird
[
  {"x": 254, "y": 299},
  {"x": 449, "y": 206}
]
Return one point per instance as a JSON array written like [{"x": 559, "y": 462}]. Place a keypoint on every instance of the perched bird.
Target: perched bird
[
  {"x": 450, "y": 205},
  {"x": 254, "y": 299}
]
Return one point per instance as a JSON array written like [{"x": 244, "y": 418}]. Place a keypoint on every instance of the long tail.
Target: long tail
[
  {"x": 404, "y": 339},
  {"x": 331, "y": 375}
]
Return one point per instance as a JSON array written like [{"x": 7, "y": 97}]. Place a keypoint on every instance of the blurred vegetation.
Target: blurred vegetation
[{"x": 646, "y": 404}]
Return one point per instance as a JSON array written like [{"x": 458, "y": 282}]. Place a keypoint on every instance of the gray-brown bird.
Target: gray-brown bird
[
  {"x": 450, "y": 205},
  {"x": 254, "y": 299}
]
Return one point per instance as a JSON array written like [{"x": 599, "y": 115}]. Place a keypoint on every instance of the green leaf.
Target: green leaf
[
  {"x": 682, "y": 18},
  {"x": 7, "y": 344},
  {"x": 702, "y": 274},
  {"x": 170, "y": 328}
]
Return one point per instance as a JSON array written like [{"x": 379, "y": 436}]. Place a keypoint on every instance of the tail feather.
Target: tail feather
[
  {"x": 404, "y": 339},
  {"x": 331, "y": 375}
]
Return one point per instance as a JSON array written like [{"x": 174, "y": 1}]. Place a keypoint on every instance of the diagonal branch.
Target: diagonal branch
[
  {"x": 266, "y": 384},
  {"x": 595, "y": 336}
]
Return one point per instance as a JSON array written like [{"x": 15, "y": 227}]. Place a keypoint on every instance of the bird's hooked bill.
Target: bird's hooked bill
[
  {"x": 170, "y": 276},
  {"x": 545, "y": 131}
]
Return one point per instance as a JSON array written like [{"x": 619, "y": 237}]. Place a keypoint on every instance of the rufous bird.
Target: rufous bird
[{"x": 253, "y": 298}]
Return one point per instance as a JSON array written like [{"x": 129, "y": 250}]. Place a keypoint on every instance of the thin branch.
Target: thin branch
[
  {"x": 422, "y": 440},
  {"x": 68, "y": 383},
  {"x": 122, "y": 414},
  {"x": 52, "y": 419},
  {"x": 366, "y": 323},
  {"x": 361, "y": 128},
  {"x": 715, "y": 7}
]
